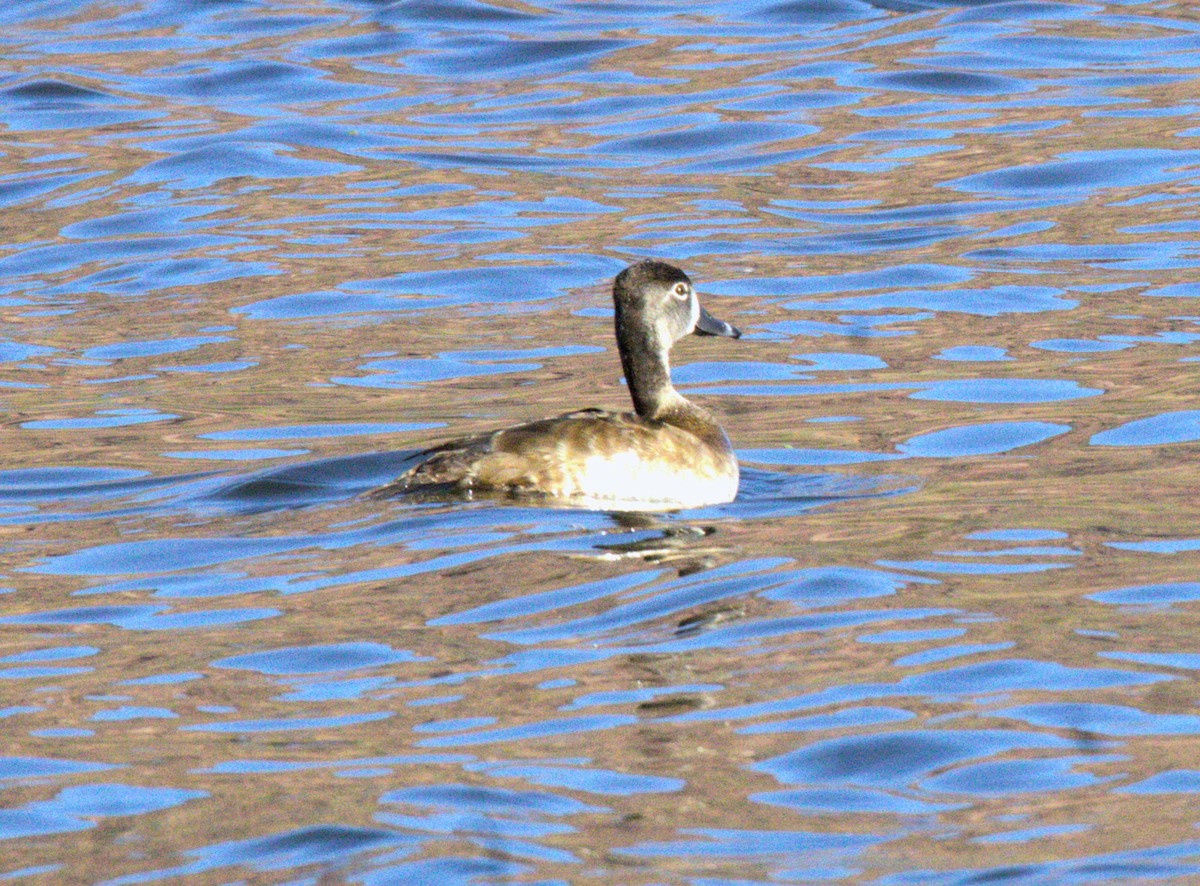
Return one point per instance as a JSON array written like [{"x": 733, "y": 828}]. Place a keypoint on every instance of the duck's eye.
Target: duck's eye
[{"x": 682, "y": 290}]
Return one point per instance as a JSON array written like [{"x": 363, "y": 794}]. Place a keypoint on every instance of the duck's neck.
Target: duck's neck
[{"x": 648, "y": 373}]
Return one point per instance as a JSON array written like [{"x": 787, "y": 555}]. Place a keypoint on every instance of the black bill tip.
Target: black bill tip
[{"x": 710, "y": 325}]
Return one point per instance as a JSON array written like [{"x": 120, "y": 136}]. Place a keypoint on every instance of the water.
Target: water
[{"x": 254, "y": 254}]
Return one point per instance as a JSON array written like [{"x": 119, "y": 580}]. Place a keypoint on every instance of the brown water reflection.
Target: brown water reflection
[{"x": 251, "y": 255}]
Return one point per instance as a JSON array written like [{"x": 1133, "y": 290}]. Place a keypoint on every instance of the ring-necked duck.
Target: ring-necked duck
[{"x": 670, "y": 454}]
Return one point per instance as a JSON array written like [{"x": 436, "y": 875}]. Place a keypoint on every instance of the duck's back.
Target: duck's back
[{"x": 587, "y": 457}]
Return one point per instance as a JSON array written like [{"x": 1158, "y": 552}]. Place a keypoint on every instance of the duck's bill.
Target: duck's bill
[{"x": 710, "y": 325}]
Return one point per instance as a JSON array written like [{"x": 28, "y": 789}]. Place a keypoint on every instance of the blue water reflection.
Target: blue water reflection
[
  {"x": 1156, "y": 430},
  {"x": 76, "y": 808},
  {"x": 986, "y": 439},
  {"x": 259, "y": 255},
  {"x": 1083, "y": 172}
]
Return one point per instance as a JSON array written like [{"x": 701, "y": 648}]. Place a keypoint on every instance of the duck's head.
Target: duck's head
[{"x": 657, "y": 301}]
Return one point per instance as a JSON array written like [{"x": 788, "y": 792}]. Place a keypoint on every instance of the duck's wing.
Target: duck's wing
[{"x": 534, "y": 457}]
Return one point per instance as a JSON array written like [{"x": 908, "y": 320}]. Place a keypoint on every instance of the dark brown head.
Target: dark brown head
[
  {"x": 654, "y": 295},
  {"x": 656, "y": 305}
]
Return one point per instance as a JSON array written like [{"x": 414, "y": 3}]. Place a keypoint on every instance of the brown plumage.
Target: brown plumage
[{"x": 669, "y": 454}]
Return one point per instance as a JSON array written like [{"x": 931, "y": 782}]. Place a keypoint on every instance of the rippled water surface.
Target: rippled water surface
[{"x": 254, "y": 254}]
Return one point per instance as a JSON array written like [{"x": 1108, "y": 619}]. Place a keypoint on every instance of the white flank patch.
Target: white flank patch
[{"x": 623, "y": 477}]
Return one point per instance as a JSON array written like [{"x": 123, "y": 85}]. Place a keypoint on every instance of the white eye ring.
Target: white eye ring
[{"x": 682, "y": 291}]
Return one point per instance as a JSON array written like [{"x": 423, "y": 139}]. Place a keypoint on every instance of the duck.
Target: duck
[{"x": 668, "y": 454}]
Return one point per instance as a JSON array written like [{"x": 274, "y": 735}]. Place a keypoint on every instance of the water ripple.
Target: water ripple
[{"x": 300, "y": 243}]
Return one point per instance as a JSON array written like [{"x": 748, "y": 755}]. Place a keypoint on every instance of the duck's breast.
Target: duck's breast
[
  {"x": 624, "y": 459},
  {"x": 625, "y": 477}
]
